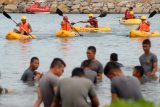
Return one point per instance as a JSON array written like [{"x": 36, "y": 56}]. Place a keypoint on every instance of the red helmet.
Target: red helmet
[{"x": 65, "y": 17}]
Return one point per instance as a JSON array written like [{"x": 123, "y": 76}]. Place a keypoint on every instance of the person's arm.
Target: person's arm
[
  {"x": 100, "y": 70},
  {"x": 39, "y": 100},
  {"x": 30, "y": 28},
  {"x": 99, "y": 76},
  {"x": 24, "y": 76},
  {"x": 84, "y": 21},
  {"x": 154, "y": 68},
  {"x": 38, "y": 75},
  {"x": 114, "y": 97},
  {"x": 18, "y": 24}
]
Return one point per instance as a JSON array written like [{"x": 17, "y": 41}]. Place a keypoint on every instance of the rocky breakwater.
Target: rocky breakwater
[{"x": 84, "y": 6}]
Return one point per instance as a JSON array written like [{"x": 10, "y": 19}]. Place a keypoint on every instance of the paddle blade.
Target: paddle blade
[
  {"x": 6, "y": 15},
  {"x": 103, "y": 14},
  {"x": 59, "y": 12},
  {"x": 73, "y": 23},
  {"x": 152, "y": 14}
]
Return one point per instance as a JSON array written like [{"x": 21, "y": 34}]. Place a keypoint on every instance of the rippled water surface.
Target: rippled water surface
[{"x": 15, "y": 55}]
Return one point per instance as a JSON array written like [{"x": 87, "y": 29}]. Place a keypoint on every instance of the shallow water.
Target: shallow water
[{"x": 15, "y": 55}]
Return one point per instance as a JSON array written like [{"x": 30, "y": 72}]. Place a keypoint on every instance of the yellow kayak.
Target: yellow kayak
[
  {"x": 136, "y": 33},
  {"x": 88, "y": 29},
  {"x": 64, "y": 33},
  {"x": 130, "y": 21},
  {"x": 16, "y": 36}
]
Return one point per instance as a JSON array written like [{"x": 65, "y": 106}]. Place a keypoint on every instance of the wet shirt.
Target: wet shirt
[
  {"x": 126, "y": 87},
  {"x": 144, "y": 79},
  {"x": 95, "y": 66},
  {"x": 28, "y": 75},
  {"x": 93, "y": 22},
  {"x": 74, "y": 92},
  {"x": 91, "y": 75},
  {"x": 47, "y": 84},
  {"x": 147, "y": 61}
]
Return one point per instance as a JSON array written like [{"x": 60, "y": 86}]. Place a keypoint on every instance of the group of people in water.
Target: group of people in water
[{"x": 73, "y": 91}]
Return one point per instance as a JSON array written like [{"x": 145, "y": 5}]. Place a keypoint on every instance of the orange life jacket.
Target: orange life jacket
[
  {"x": 128, "y": 15},
  {"x": 144, "y": 26},
  {"x": 24, "y": 26},
  {"x": 65, "y": 26}
]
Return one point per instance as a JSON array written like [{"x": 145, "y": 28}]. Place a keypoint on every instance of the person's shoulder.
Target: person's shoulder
[
  {"x": 97, "y": 62},
  {"x": 152, "y": 54},
  {"x": 143, "y": 55}
]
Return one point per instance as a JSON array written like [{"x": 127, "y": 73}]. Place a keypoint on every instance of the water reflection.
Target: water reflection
[{"x": 65, "y": 45}]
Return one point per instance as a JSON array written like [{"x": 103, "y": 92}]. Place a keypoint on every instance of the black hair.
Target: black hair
[
  {"x": 131, "y": 8},
  {"x": 147, "y": 41},
  {"x": 92, "y": 48},
  {"x": 57, "y": 62},
  {"x": 114, "y": 57},
  {"x": 33, "y": 58},
  {"x": 86, "y": 63},
  {"x": 78, "y": 72},
  {"x": 109, "y": 66},
  {"x": 139, "y": 69}
]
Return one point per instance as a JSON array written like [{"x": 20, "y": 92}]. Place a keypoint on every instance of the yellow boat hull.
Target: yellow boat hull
[
  {"x": 16, "y": 36},
  {"x": 136, "y": 33},
  {"x": 64, "y": 33},
  {"x": 130, "y": 21},
  {"x": 87, "y": 29}
]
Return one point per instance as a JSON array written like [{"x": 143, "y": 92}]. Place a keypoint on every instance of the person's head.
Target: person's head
[
  {"x": 34, "y": 63},
  {"x": 143, "y": 18},
  {"x": 57, "y": 66},
  {"x": 91, "y": 51},
  {"x": 23, "y": 19},
  {"x": 90, "y": 16},
  {"x": 79, "y": 72},
  {"x": 113, "y": 57},
  {"x": 65, "y": 18},
  {"x": 112, "y": 69},
  {"x": 130, "y": 8},
  {"x": 86, "y": 64},
  {"x": 146, "y": 45},
  {"x": 138, "y": 71}
]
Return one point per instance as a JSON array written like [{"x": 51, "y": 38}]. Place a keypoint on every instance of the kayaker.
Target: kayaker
[
  {"x": 149, "y": 61},
  {"x": 31, "y": 74},
  {"x": 92, "y": 20},
  {"x": 65, "y": 24},
  {"x": 144, "y": 25},
  {"x": 24, "y": 27},
  {"x": 129, "y": 14},
  {"x": 122, "y": 85}
]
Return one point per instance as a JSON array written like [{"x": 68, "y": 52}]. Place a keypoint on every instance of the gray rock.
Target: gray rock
[
  {"x": 97, "y": 4},
  {"x": 138, "y": 9},
  {"x": 84, "y": 3},
  {"x": 122, "y": 4},
  {"x": 77, "y": 6},
  {"x": 123, "y": 9},
  {"x": 10, "y": 8},
  {"x": 110, "y": 5},
  {"x": 53, "y": 8},
  {"x": 64, "y": 8},
  {"x": 76, "y": 2},
  {"x": 75, "y": 11}
]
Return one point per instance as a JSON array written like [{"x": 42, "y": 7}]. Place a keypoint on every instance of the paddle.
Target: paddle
[
  {"x": 9, "y": 17},
  {"x": 59, "y": 12},
  {"x": 104, "y": 14},
  {"x": 152, "y": 14}
]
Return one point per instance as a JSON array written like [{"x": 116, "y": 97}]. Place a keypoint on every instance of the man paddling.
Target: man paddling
[
  {"x": 92, "y": 20},
  {"x": 65, "y": 24},
  {"x": 129, "y": 14},
  {"x": 144, "y": 25},
  {"x": 24, "y": 27}
]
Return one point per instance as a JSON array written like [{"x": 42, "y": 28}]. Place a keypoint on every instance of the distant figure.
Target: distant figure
[
  {"x": 129, "y": 14},
  {"x": 139, "y": 74},
  {"x": 149, "y": 60},
  {"x": 92, "y": 20},
  {"x": 95, "y": 65},
  {"x": 24, "y": 27},
  {"x": 90, "y": 74},
  {"x": 144, "y": 25},
  {"x": 65, "y": 24},
  {"x": 31, "y": 74},
  {"x": 114, "y": 58},
  {"x": 122, "y": 87},
  {"x": 74, "y": 91},
  {"x": 48, "y": 83}
]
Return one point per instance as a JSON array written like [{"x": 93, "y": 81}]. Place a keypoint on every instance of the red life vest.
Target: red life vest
[
  {"x": 24, "y": 26},
  {"x": 144, "y": 26},
  {"x": 128, "y": 15},
  {"x": 93, "y": 22},
  {"x": 65, "y": 26}
]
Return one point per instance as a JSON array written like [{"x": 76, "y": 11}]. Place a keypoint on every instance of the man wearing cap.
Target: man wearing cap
[
  {"x": 65, "y": 24},
  {"x": 145, "y": 25},
  {"x": 92, "y": 20},
  {"x": 129, "y": 14},
  {"x": 24, "y": 27}
]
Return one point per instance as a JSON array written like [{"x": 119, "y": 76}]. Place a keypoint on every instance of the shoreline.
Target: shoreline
[{"x": 83, "y": 6}]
